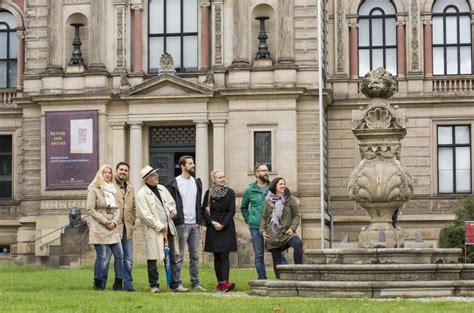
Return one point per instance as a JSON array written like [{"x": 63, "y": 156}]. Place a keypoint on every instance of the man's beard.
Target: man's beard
[
  {"x": 264, "y": 178},
  {"x": 192, "y": 171}
]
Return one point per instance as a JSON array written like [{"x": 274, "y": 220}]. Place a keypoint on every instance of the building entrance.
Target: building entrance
[{"x": 167, "y": 145}]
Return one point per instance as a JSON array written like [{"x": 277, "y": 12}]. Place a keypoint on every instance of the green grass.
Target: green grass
[{"x": 40, "y": 289}]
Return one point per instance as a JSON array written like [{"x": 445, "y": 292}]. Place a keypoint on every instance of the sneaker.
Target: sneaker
[
  {"x": 155, "y": 290},
  {"x": 199, "y": 288},
  {"x": 219, "y": 286},
  {"x": 180, "y": 289},
  {"x": 227, "y": 286},
  {"x": 131, "y": 289}
]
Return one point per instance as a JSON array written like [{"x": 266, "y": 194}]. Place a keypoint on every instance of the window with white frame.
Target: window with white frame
[
  {"x": 6, "y": 158},
  {"x": 173, "y": 27},
  {"x": 451, "y": 37},
  {"x": 377, "y": 36},
  {"x": 454, "y": 158},
  {"x": 8, "y": 50}
]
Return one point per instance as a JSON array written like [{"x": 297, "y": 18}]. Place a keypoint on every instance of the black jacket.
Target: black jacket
[{"x": 174, "y": 191}]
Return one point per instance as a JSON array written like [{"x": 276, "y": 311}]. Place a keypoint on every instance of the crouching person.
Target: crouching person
[{"x": 156, "y": 208}]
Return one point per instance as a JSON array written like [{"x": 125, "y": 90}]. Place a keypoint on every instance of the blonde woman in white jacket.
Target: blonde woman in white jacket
[{"x": 156, "y": 209}]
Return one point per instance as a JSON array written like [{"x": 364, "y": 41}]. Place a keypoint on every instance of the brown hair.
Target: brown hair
[
  {"x": 257, "y": 166},
  {"x": 273, "y": 187},
  {"x": 182, "y": 160}
]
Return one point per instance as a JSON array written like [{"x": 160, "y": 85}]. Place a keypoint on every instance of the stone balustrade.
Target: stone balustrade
[
  {"x": 453, "y": 84},
  {"x": 7, "y": 96}
]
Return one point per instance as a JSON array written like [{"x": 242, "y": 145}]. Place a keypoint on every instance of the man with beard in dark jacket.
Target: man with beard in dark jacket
[{"x": 186, "y": 191}]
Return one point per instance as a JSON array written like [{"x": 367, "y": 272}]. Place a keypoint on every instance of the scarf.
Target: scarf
[
  {"x": 277, "y": 203},
  {"x": 109, "y": 195},
  {"x": 218, "y": 192}
]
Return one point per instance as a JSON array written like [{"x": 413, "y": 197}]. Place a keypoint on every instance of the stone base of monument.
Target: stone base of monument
[
  {"x": 72, "y": 250},
  {"x": 373, "y": 273}
]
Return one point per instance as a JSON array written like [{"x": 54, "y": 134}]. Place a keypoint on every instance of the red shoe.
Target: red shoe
[
  {"x": 227, "y": 286},
  {"x": 219, "y": 286}
]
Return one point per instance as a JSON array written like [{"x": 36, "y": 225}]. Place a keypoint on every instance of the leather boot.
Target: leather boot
[
  {"x": 98, "y": 284},
  {"x": 117, "y": 284}
]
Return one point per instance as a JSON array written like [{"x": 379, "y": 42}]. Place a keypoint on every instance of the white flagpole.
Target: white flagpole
[{"x": 321, "y": 127}]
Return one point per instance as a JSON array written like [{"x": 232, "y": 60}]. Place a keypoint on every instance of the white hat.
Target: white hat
[{"x": 147, "y": 171}]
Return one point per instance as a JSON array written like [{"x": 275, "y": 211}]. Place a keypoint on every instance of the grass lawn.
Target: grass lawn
[{"x": 41, "y": 289}]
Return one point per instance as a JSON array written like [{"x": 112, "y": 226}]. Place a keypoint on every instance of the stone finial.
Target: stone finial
[
  {"x": 379, "y": 83},
  {"x": 124, "y": 83},
  {"x": 209, "y": 81},
  {"x": 167, "y": 64}
]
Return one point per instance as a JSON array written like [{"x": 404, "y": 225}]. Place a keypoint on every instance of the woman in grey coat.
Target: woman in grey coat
[
  {"x": 281, "y": 218},
  {"x": 102, "y": 206}
]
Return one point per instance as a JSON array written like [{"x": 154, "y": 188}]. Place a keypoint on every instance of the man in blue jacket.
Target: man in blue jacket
[
  {"x": 186, "y": 191},
  {"x": 252, "y": 205}
]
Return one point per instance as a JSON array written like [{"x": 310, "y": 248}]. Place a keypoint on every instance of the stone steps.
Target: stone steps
[
  {"x": 376, "y": 272},
  {"x": 343, "y": 289}
]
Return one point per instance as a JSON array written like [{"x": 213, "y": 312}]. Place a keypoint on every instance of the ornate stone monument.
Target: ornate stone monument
[
  {"x": 167, "y": 64},
  {"x": 380, "y": 184}
]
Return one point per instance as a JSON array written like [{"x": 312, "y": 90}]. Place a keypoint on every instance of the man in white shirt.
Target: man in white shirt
[{"x": 186, "y": 191}]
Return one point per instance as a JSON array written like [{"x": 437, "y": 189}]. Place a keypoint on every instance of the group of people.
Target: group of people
[{"x": 173, "y": 214}]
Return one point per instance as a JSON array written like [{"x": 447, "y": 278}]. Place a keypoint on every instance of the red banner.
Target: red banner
[{"x": 469, "y": 232}]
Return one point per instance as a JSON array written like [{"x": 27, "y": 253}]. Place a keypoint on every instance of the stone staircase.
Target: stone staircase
[{"x": 373, "y": 273}]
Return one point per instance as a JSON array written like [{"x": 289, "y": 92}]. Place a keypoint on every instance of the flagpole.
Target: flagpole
[{"x": 321, "y": 128}]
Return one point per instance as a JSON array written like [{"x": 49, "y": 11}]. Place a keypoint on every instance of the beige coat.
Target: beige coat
[
  {"x": 154, "y": 216},
  {"x": 100, "y": 215},
  {"x": 126, "y": 204}
]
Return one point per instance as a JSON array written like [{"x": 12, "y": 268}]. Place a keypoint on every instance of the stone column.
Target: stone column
[
  {"x": 428, "y": 47},
  {"x": 401, "y": 48},
  {"x": 241, "y": 31},
  {"x": 286, "y": 31},
  {"x": 202, "y": 153},
  {"x": 120, "y": 44},
  {"x": 354, "y": 50},
  {"x": 20, "y": 65},
  {"x": 205, "y": 34},
  {"x": 55, "y": 37},
  {"x": 118, "y": 142},
  {"x": 135, "y": 153},
  {"x": 97, "y": 41},
  {"x": 217, "y": 31},
  {"x": 137, "y": 65},
  {"x": 219, "y": 144}
]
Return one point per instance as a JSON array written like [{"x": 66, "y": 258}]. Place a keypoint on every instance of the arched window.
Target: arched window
[
  {"x": 173, "y": 27},
  {"x": 451, "y": 37},
  {"x": 377, "y": 36},
  {"x": 8, "y": 49}
]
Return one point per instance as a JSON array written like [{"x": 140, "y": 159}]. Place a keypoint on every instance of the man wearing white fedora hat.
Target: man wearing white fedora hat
[{"x": 156, "y": 209}]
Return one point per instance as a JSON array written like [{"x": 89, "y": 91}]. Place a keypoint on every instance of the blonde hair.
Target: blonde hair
[
  {"x": 214, "y": 172},
  {"x": 99, "y": 180}
]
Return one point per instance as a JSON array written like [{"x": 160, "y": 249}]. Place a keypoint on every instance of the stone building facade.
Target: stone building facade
[{"x": 226, "y": 108}]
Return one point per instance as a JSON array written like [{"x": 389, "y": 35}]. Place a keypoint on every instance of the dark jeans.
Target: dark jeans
[
  {"x": 222, "y": 266},
  {"x": 259, "y": 251},
  {"x": 296, "y": 244},
  {"x": 99, "y": 265},
  {"x": 127, "y": 247}
]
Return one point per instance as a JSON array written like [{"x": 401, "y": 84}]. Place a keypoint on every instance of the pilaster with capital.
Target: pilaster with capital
[
  {"x": 340, "y": 34},
  {"x": 137, "y": 62},
  {"x": 401, "y": 56},
  {"x": 97, "y": 53},
  {"x": 414, "y": 38},
  {"x": 286, "y": 31},
  {"x": 118, "y": 142},
  {"x": 55, "y": 35},
  {"x": 354, "y": 47},
  {"x": 136, "y": 149},
  {"x": 241, "y": 30},
  {"x": 202, "y": 152}
]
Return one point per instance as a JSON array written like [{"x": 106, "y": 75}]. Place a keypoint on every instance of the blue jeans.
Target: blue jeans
[
  {"x": 99, "y": 265},
  {"x": 259, "y": 251},
  {"x": 127, "y": 247},
  {"x": 187, "y": 234}
]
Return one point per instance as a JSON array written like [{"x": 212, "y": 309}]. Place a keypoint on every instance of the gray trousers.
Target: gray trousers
[{"x": 187, "y": 233}]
